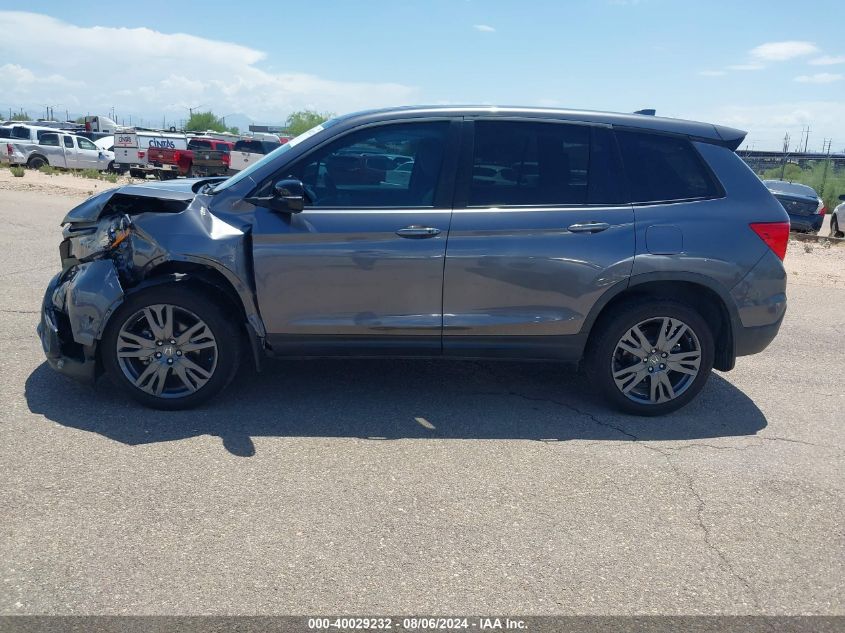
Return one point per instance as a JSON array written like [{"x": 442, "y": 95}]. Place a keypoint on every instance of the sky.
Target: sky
[{"x": 766, "y": 67}]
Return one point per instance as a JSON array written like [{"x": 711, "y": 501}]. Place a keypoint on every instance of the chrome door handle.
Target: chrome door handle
[
  {"x": 589, "y": 227},
  {"x": 415, "y": 231}
]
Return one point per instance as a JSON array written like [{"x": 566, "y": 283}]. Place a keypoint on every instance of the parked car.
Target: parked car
[
  {"x": 837, "y": 219},
  {"x": 247, "y": 152},
  {"x": 21, "y": 144},
  {"x": 58, "y": 149},
  {"x": 131, "y": 149},
  {"x": 211, "y": 156},
  {"x": 644, "y": 249},
  {"x": 805, "y": 207},
  {"x": 169, "y": 163},
  {"x": 104, "y": 142}
]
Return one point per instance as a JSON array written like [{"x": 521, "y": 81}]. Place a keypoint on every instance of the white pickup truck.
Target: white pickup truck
[
  {"x": 35, "y": 147},
  {"x": 246, "y": 152},
  {"x": 130, "y": 149}
]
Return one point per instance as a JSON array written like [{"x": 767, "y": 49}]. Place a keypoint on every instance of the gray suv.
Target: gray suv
[{"x": 641, "y": 247}]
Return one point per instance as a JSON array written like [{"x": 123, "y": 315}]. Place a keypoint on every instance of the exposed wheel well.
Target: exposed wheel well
[
  {"x": 704, "y": 300},
  {"x": 207, "y": 279}
]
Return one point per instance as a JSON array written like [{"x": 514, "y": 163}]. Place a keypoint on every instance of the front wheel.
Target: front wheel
[
  {"x": 834, "y": 228},
  {"x": 170, "y": 347},
  {"x": 651, "y": 357}
]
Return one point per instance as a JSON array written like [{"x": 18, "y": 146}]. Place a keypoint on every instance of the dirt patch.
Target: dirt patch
[
  {"x": 819, "y": 265},
  {"x": 58, "y": 184}
]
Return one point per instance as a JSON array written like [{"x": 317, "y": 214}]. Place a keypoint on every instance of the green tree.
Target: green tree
[
  {"x": 21, "y": 116},
  {"x": 202, "y": 121},
  {"x": 303, "y": 120}
]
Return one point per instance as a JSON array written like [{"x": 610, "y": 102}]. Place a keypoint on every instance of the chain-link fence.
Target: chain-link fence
[{"x": 825, "y": 174}]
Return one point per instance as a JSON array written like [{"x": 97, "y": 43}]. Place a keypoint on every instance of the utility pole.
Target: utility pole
[
  {"x": 826, "y": 165},
  {"x": 785, "y": 154},
  {"x": 807, "y": 139}
]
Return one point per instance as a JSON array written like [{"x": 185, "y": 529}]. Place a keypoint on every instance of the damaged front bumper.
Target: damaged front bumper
[{"x": 74, "y": 312}]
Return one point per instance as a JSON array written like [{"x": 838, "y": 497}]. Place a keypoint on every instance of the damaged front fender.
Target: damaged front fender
[{"x": 88, "y": 298}]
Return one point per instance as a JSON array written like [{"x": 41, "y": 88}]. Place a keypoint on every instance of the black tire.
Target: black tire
[
  {"x": 138, "y": 173},
  {"x": 226, "y": 337},
  {"x": 603, "y": 352},
  {"x": 834, "y": 228},
  {"x": 110, "y": 168},
  {"x": 37, "y": 162}
]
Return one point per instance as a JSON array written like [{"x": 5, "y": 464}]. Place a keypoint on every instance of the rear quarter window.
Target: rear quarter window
[{"x": 664, "y": 168}]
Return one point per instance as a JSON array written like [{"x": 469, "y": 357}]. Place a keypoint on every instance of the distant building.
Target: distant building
[{"x": 270, "y": 129}]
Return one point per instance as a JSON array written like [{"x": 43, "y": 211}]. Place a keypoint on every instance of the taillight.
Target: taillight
[
  {"x": 821, "y": 210},
  {"x": 774, "y": 234},
  {"x": 225, "y": 159},
  {"x": 9, "y": 149},
  {"x": 176, "y": 156},
  {"x": 141, "y": 154}
]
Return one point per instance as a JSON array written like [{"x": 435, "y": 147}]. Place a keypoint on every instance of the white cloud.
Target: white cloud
[
  {"x": 78, "y": 68},
  {"x": 782, "y": 51},
  {"x": 767, "y": 124},
  {"x": 484, "y": 28},
  {"x": 827, "y": 60},
  {"x": 711, "y": 73},
  {"x": 751, "y": 66},
  {"x": 820, "y": 78}
]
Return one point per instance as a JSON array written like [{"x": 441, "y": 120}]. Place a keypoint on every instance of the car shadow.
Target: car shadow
[{"x": 392, "y": 399}]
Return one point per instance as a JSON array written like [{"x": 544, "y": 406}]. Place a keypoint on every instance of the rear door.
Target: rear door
[
  {"x": 126, "y": 148},
  {"x": 540, "y": 231},
  {"x": 360, "y": 270},
  {"x": 50, "y": 146}
]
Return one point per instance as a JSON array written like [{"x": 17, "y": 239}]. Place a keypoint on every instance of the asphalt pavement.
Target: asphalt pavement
[{"x": 417, "y": 487}]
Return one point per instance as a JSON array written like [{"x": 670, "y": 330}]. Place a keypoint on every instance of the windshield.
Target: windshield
[
  {"x": 245, "y": 173},
  {"x": 790, "y": 187}
]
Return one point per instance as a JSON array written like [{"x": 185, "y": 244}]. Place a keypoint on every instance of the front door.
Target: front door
[
  {"x": 540, "y": 231},
  {"x": 360, "y": 270},
  {"x": 89, "y": 154}
]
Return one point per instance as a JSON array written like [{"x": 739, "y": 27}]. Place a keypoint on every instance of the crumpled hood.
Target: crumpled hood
[{"x": 177, "y": 191}]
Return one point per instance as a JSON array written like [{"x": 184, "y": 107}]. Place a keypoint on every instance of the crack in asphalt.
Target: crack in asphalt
[{"x": 685, "y": 478}]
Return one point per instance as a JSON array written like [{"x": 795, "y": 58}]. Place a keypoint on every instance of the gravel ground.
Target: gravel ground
[{"x": 419, "y": 487}]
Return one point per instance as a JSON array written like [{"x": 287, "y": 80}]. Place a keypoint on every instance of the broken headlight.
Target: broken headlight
[{"x": 84, "y": 243}]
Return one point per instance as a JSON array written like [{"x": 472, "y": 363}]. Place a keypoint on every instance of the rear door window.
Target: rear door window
[
  {"x": 50, "y": 139},
  {"x": 530, "y": 163},
  {"x": 664, "y": 168}
]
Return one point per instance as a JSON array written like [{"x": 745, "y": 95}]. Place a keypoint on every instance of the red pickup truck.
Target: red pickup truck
[{"x": 170, "y": 163}]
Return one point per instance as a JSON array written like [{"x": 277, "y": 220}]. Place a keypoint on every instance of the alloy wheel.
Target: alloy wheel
[
  {"x": 166, "y": 351},
  {"x": 656, "y": 360}
]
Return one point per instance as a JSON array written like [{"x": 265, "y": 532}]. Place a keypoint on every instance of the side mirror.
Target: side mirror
[
  {"x": 842, "y": 197},
  {"x": 291, "y": 194},
  {"x": 288, "y": 197}
]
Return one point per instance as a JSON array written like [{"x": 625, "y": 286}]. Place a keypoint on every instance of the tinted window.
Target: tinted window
[
  {"x": 529, "y": 164},
  {"x": 199, "y": 144},
  {"x": 361, "y": 169},
  {"x": 664, "y": 168},
  {"x": 51, "y": 140},
  {"x": 20, "y": 132},
  {"x": 68, "y": 141},
  {"x": 5, "y": 132},
  {"x": 255, "y": 147}
]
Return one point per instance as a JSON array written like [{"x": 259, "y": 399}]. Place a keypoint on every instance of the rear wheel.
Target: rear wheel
[
  {"x": 651, "y": 358},
  {"x": 170, "y": 348},
  {"x": 834, "y": 228},
  {"x": 37, "y": 162}
]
